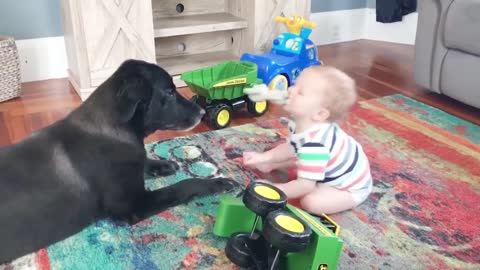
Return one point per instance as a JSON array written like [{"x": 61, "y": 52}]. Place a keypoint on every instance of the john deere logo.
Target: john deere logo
[
  {"x": 323, "y": 266},
  {"x": 231, "y": 82}
]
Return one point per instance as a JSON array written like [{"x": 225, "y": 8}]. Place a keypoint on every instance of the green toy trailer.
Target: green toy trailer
[
  {"x": 219, "y": 90},
  {"x": 267, "y": 233}
]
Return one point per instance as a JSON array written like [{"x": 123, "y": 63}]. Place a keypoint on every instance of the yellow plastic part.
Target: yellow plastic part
[
  {"x": 289, "y": 223},
  {"x": 267, "y": 192},
  {"x": 337, "y": 228},
  {"x": 223, "y": 117},
  {"x": 261, "y": 106},
  {"x": 278, "y": 81},
  {"x": 295, "y": 23}
]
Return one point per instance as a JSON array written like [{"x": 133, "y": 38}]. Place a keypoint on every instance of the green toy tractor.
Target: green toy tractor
[
  {"x": 267, "y": 233},
  {"x": 219, "y": 90}
]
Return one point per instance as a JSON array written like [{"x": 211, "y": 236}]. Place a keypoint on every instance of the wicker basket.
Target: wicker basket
[{"x": 10, "y": 79}]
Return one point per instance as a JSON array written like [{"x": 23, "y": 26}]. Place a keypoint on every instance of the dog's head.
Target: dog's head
[{"x": 147, "y": 98}]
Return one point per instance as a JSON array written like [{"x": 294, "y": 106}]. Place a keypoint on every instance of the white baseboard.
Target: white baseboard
[
  {"x": 45, "y": 58},
  {"x": 42, "y": 58}
]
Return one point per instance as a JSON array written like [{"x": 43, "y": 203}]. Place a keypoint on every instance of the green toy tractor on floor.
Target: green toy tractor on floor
[
  {"x": 219, "y": 89},
  {"x": 267, "y": 233}
]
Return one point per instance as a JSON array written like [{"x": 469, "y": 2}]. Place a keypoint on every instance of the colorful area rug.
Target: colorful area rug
[{"x": 423, "y": 213}]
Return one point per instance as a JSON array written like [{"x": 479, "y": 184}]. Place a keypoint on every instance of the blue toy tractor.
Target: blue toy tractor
[{"x": 291, "y": 52}]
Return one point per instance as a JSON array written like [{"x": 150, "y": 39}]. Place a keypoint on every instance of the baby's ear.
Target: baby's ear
[{"x": 321, "y": 115}]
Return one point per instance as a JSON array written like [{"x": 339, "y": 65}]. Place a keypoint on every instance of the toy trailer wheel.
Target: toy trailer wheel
[
  {"x": 257, "y": 108},
  {"x": 263, "y": 198},
  {"x": 286, "y": 232},
  {"x": 237, "y": 251},
  {"x": 219, "y": 116}
]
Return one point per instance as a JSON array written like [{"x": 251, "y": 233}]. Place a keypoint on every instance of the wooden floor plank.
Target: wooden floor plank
[
  {"x": 5, "y": 136},
  {"x": 379, "y": 68}
]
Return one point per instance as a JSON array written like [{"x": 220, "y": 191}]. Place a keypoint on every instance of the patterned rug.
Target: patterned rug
[{"x": 423, "y": 213}]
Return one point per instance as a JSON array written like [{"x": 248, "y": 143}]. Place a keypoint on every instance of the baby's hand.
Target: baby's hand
[
  {"x": 257, "y": 160},
  {"x": 261, "y": 92},
  {"x": 253, "y": 158}
]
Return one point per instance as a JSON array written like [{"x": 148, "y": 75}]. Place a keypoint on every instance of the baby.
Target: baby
[{"x": 332, "y": 169}]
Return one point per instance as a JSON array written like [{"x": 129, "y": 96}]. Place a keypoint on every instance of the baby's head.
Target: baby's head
[{"x": 321, "y": 93}]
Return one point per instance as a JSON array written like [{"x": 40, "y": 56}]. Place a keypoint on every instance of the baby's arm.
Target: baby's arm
[
  {"x": 311, "y": 165},
  {"x": 282, "y": 153}
]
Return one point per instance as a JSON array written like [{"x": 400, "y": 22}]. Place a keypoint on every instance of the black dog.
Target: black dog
[{"x": 91, "y": 164}]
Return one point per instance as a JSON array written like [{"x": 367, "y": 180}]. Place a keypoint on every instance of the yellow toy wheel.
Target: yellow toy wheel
[
  {"x": 263, "y": 198},
  {"x": 289, "y": 223},
  {"x": 223, "y": 117},
  {"x": 257, "y": 108},
  {"x": 260, "y": 107},
  {"x": 278, "y": 82},
  {"x": 267, "y": 192},
  {"x": 220, "y": 116},
  {"x": 286, "y": 232}
]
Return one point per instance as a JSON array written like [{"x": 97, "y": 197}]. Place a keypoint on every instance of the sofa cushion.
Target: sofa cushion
[
  {"x": 462, "y": 26},
  {"x": 459, "y": 78}
]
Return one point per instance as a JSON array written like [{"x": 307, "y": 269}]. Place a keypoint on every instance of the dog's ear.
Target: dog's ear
[{"x": 133, "y": 95}]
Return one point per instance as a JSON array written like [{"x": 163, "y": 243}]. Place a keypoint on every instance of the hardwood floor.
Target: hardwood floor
[{"x": 379, "y": 69}]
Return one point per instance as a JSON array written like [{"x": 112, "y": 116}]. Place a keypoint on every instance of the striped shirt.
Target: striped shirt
[{"x": 325, "y": 153}]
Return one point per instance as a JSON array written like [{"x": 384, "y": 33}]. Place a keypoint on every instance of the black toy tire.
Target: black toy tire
[
  {"x": 194, "y": 98},
  {"x": 199, "y": 100},
  {"x": 213, "y": 112},
  {"x": 294, "y": 239},
  {"x": 251, "y": 108},
  {"x": 262, "y": 205},
  {"x": 236, "y": 250}
]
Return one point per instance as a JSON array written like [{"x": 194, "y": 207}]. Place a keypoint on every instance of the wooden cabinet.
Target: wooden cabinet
[{"x": 178, "y": 35}]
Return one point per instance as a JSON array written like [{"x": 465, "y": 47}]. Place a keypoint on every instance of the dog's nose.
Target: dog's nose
[{"x": 202, "y": 112}]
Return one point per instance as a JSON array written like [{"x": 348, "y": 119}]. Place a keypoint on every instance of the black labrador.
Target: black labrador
[{"x": 90, "y": 165}]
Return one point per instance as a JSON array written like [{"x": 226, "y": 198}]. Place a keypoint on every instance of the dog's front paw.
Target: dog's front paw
[
  {"x": 161, "y": 167},
  {"x": 221, "y": 184}
]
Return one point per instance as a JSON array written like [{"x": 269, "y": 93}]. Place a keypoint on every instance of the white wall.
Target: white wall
[
  {"x": 398, "y": 32},
  {"x": 338, "y": 26},
  {"x": 42, "y": 58},
  {"x": 45, "y": 58},
  {"x": 347, "y": 25}
]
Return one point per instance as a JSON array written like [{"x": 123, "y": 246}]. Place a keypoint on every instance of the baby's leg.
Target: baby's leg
[{"x": 327, "y": 200}]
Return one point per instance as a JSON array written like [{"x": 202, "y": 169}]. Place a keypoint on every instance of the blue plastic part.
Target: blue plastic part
[
  {"x": 305, "y": 33},
  {"x": 290, "y": 54}
]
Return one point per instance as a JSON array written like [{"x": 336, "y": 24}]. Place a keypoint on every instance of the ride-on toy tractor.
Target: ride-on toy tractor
[
  {"x": 265, "y": 232},
  {"x": 291, "y": 53},
  {"x": 219, "y": 88}
]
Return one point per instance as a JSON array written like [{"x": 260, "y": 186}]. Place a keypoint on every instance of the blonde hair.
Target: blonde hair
[{"x": 339, "y": 91}]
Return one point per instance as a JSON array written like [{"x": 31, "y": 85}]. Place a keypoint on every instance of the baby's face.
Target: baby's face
[{"x": 306, "y": 97}]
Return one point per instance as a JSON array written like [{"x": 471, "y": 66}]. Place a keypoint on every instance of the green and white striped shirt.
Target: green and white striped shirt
[{"x": 325, "y": 153}]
